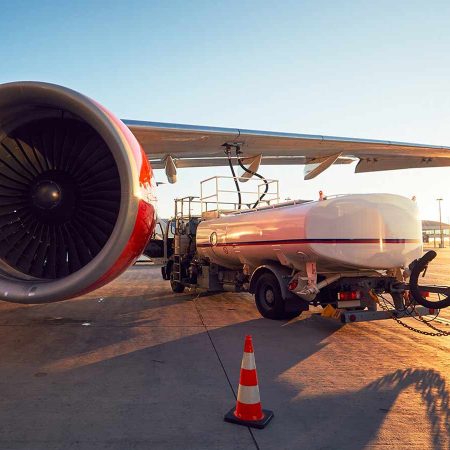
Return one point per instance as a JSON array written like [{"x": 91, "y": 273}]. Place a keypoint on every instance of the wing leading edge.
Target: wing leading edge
[{"x": 202, "y": 146}]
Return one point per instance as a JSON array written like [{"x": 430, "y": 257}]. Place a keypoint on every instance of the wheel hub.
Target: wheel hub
[
  {"x": 269, "y": 296},
  {"x": 47, "y": 194}
]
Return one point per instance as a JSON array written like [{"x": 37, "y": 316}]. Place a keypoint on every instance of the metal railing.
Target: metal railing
[{"x": 219, "y": 194}]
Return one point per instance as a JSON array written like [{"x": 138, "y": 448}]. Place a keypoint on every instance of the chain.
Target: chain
[{"x": 437, "y": 331}]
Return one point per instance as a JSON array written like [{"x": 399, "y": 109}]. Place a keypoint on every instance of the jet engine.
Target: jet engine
[{"x": 77, "y": 203}]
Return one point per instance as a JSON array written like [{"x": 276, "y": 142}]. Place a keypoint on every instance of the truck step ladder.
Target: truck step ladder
[{"x": 176, "y": 268}]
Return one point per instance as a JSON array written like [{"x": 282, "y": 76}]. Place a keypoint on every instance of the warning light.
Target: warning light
[
  {"x": 349, "y": 295},
  {"x": 293, "y": 284},
  {"x": 352, "y": 318}
]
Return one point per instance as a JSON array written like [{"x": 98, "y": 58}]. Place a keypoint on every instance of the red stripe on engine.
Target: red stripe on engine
[{"x": 145, "y": 223}]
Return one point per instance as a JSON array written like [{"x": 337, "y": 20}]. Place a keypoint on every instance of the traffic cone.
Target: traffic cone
[{"x": 248, "y": 410}]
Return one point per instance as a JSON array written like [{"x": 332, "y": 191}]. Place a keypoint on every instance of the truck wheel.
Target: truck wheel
[
  {"x": 176, "y": 286},
  {"x": 268, "y": 299}
]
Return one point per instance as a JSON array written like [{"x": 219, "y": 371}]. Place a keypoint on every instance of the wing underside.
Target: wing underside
[{"x": 197, "y": 146}]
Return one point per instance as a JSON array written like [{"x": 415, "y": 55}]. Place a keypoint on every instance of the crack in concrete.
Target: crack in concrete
[{"x": 222, "y": 365}]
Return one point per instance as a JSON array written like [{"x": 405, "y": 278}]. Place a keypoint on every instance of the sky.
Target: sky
[{"x": 368, "y": 69}]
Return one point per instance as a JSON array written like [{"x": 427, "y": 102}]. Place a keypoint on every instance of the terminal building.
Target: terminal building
[{"x": 432, "y": 233}]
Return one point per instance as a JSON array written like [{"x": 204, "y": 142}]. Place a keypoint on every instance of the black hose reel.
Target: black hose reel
[{"x": 418, "y": 267}]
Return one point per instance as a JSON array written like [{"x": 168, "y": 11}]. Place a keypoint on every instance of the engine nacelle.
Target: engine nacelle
[{"x": 77, "y": 203}]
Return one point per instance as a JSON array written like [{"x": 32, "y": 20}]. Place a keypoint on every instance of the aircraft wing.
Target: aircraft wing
[{"x": 203, "y": 146}]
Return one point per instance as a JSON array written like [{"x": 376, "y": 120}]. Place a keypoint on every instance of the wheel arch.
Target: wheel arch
[{"x": 282, "y": 274}]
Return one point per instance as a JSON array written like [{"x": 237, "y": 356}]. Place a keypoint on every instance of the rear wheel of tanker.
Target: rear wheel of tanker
[{"x": 269, "y": 300}]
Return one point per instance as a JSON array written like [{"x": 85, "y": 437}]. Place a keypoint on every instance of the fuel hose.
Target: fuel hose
[
  {"x": 417, "y": 267},
  {"x": 236, "y": 183},
  {"x": 255, "y": 174}
]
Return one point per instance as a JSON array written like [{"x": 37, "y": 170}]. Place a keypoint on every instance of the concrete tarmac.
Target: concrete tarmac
[{"x": 134, "y": 366}]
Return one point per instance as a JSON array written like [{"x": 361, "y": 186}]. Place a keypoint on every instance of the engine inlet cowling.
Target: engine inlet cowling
[{"x": 72, "y": 213}]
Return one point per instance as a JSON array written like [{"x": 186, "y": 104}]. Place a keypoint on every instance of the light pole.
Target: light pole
[{"x": 441, "y": 245}]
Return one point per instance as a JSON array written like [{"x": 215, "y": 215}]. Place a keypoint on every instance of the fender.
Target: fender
[{"x": 282, "y": 273}]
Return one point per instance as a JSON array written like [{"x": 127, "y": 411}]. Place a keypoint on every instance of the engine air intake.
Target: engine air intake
[
  {"x": 59, "y": 197},
  {"x": 75, "y": 185}
]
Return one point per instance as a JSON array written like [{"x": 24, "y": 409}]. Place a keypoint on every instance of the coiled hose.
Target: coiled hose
[{"x": 417, "y": 267}]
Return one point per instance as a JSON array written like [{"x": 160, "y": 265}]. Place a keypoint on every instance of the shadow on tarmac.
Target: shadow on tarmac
[
  {"x": 353, "y": 420},
  {"x": 124, "y": 387},
  {"x": 434, "y": 392}
]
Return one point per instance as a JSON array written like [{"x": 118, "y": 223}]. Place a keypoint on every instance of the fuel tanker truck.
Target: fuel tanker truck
[{"x": 342, "y": 251}]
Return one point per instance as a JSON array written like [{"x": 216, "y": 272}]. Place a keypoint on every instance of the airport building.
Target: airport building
[{"x": 432, "y": 233}]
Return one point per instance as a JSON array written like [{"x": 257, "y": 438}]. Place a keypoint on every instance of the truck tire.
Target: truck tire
[
  {"x": 269, "y": 300},
  {"x": 176, "y": 286}
]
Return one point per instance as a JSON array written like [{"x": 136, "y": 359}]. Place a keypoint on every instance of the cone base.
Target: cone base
[{"x": 230, "y": 417}]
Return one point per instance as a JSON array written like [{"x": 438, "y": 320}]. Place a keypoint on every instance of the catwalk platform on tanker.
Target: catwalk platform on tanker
[{"x": 357, "y": 256}]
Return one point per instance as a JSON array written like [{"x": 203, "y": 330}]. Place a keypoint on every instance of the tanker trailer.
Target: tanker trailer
[{"x": 337, "y": 251}]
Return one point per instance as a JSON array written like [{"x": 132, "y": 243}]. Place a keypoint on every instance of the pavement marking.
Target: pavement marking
[
  {"x": 221, "y": 364},
  {"x": 442, "y": 320}
]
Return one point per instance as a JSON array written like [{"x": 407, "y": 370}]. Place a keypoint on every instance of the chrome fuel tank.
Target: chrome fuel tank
[{"x": 372, "y": 231}]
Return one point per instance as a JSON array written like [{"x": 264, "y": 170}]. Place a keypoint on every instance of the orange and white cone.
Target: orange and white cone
[{"x": 248, "y": 410}]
